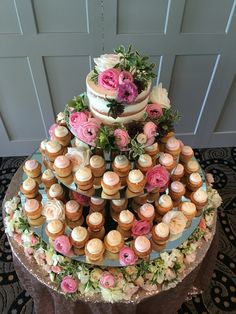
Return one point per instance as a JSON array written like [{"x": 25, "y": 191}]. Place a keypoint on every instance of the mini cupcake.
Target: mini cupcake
[
  {"x": 73, "y": 210},
  {"x": 141, "y": 199},
  {"x": 62, "y": 135},
  {"x": 186, "y": 154},
  {"x": 32, "y": 168},
  {"x": 166, "y": 137},
  {"x": 48, "y": 178},
  {"x": 56, "y": 191},
  {"x": 79, "y": 237},
  {"x": 97, "y": 204},
  {"x": 97, "y": 165},
  {"x": 164, "y": 204},
  {"x": 167, "y": 161},
  {"x": 160, "y": 233},
  {"x": 84, "y": 178},
  {"x": 95, "y": 221},
  {"x": 177, "y": 173},
  {"x": 199, "y": 198},
  {"x": 191, "y": 166},
  {"x": 54, "y": 229},
  {"x": 53, "y": 149},
  {"x": 136, "y": 181},
  {"x": 114, "y": 241},
  {"x": 110, "y": 183},
  {"x": 194, "y": 181},
  {"x": 121, "y": 166},
  {"x": 94, "y": 250},
  {"x": 29, "y": 188},
  {"x": 142, "y": 247},
  {"x": 147, "y": 212},
  {"x": 119, "y": 205},
  {"x": 42, "y": 147},
  {"x": 152, "y": 150},
  {"x": 33, "y": 208},
  {"x": 177, "y": 190},
  {"x": 62, "y": 166},
  {"x": 144, "y": 163},
  {"x": 126, "y": 219},
  {"x": 188, "y": 209},
  {"x": 173, "y": 147}
]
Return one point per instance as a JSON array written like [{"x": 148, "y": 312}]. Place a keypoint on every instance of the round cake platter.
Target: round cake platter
[{"x": 112, "y": 260}]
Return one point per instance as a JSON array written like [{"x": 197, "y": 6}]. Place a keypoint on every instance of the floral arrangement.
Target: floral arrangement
[{"x": 76, "y": 279}]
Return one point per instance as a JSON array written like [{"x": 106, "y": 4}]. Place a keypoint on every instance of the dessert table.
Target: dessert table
[{"x": 47, "y": 299}]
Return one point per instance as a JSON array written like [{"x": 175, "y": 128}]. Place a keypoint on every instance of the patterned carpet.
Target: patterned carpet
[{"x": 221, "y": 295}]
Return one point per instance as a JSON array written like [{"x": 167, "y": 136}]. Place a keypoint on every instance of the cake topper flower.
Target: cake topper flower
[
  {"x": 127, "y": 93},
  {"x": 109, "y": 79},
  {"x": 140, "y": 227}
]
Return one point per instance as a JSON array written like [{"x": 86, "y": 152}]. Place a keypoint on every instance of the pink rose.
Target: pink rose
[
  {"x": 127, "y": 92},
  {"x": 157, "y": 177},
  {"x": 127, "y": 256},
  {"x": 76, "y": 118},
  {"x": 140, "y": 227},
  {"x": 87, "y": 131},
  {"x": 107, "y": 280},
  {"x": 81, "y": 199},
  {"x": 150, "y": 130},
  {"x": 69, "y": 285},
  {"x": 121, "y": 138},
  {"x": 109, "y": 79},
  {"x": 202, "y": 224},
  {"x": 62, "y": 244},
  {"x": 56, "y": 269},
  {"x": 125, "y": 77},
  {"x": 52, "y": 130},
  {"x": 33, "y": 240},
  {"x": 154, "y": 111}
]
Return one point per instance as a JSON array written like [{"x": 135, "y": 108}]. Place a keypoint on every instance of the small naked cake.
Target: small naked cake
[
  {"x": 78, "y": 238},
  {"x": 164, "y": 204},
  {"x": 194, "y": 181},
  {"x": 95, "y": 221},
  {"x": 32, "y": 168},
  {"x": 48, "y": 178},
  {"x": 62, "y": 135},
  {"x": 160, "y": 235},
  {"x": 152, "y": 150},
  {"x": 94, "y": 250},
  {"x": 73, "y": 210},
  {"x": 167, "y": 160},
  {"x": 53, "y": 149},
  {"x": 56, "y": 191},
  {"x": 119, "y": 205},
  {"x": 142, "y": 247},
  {"x": 84, "y": 178},
  {"x": 147, "y": 212},
  {"x": 97, "y": 204},
  {"x": 29, "y": 188},
  {"x": 33, "y": 208},
  {"x": 125, "y": 223},
  {"x": 114, "y": 241},
  {"x": 54, "y": 229},
  {"x": 177, "y": 173},
  {"x": 189, "y": 210},
  {"x": 97, "y": 165},
  {"x": 177, "y": 190},
  {"x": 62, "y": 166},
  {"x": 191, "y": 166},
  {"x": 110, "y": 183},
  {"x": 144, "y": 163},
  {"x": 186, "y": 154},
  {"x": 136, "y": 181},
  {"x": 121, "y": 166},
  {"x": 173, "y": 147},
  {"x": 199, "y": 198}
]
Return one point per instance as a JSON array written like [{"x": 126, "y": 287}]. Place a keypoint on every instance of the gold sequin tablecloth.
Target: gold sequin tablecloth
[{"x": 48, "y": 300}]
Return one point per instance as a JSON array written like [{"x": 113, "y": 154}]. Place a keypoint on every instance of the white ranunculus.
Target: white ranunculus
[
  {"x": 54, "y": 209},
  {"x": 106, "y": 61},
  {"x": 79, "y": 156},
  {"x": 159, "y": 96},
  {"x": 10, "y": 206}
]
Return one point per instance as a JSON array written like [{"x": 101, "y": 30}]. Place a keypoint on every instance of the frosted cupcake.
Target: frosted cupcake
[
  {"x": 95, "y": 221},
  {"x": 53, "y": 149},
  {"x": 147, "y": 212},
  {"x": 177, "y": 173},
  {"x": 29, "y": 188},
  {"x": 94, "y": 250},
  {"x": 177, "y": 190},
  {"x": 160, "y": 233},
  {"x": 199, "y": 198},
  {"x": 152, "y": 150},
  {"x": 121, "y": 166},
  {"x": 33, "y": 208},
  {"x": 142, "y": 247},
  {"x": 167, "y": 161},
  {"x": 97, "y": 165},
  {"x": 164, "y": 204},
  {"x": 42, "y": 147},
  {"x": 136, "y": 181},
  {"x": 194, "y": 181},
  {"x": 114, "y": 241},
  {"x": 186, "y": 154},
  {"x": 73, "y": 210},
  {"x": 32, "y": 168},
  {"x": 188, "y": 209},
  {"x": 48, "y": 178},
  {"x": 173, "y": 147},
  {"x": 62, "y": 166},
  {"x": 141, "y": 199},
  {"x": 62, "y": 135},
  {"x": 79, "y": 237},
  {"x": 119, "y": 205},
  {"x": 54, "y": 229},
  {"x": 144, "y": 163},
  {"x": 97, "y": 204},
  {"x": 84, "y": 178},
  {"x": 191, "y": 166},
  {"x": 56, "y": 191},
  {"x": 126, "y": 219},
  {"x": 110, "y": 183}
]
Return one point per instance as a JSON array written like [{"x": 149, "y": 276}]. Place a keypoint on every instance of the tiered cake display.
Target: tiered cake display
[{"x": 113, "y": 186}]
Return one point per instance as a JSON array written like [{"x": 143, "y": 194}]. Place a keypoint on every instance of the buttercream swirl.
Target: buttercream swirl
[
  {"x": 119, "y": 202},
  {"x": 195, "y": 177},
  {"x": 55, "y": 190},
  {"x": 179, "y": 169},
  {"x": 188, "y": 208},
  {"x": 31, "y": 164},
  {"x": 142, "y": 244},
  {"x": 173, "y": 144},
  {"x": 31, "y": 205},
  {"x": 177, "y": 186},
  {"x": 62, "y": 162},
  {"x": 61, "y": 131},
  {"x": 126, "y": 216},
  {"x": 94, "y": 246},
  {"x": 200, "y": 196},
  {"x": 114, "y": 237},
  {"x": 147, "y": 210},
  {"x": 83, "y": 174},
  {"x": 193, "y": 165},
  {"x": 111, "y": 178},
  {"x": 55, "y": 226},
  {"x": 162, "y": 230},
  {"x": 187, "y": 150},
  {"x": 95, "y": 218},
  {"x": 165, "y": 201},
  {"x": 96, "y": 200},
  {"x": 53, "y": 146},
  {"x": 151, "y": 148},
  {"x": 166, "y": 159},
  {"x": 79, "y": 233},
  {"x": 29, "y": 184},
  {"x": 145, "y": 160},
  {"x": 72, "y": 206},
  {"x": 135, "y": 176},
  {"x": 43, "y": 144},
  {"x": 121, "y": 161},
  {"x": 97, "y": 161},
  {"x": 47, "y": 174}
]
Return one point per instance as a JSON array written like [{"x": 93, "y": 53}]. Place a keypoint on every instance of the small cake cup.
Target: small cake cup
[
  {"x": 95, "y": 221},
  {"x": 94, "y": 250},
  {"x": 186, "y": 154},
  {"x": 194, "y": 181},
  {"x": 142, "y": 247},
  {"x": 126, "y": 219},
  {"x": 121, "y": 166},
  {"x": 166, "y": 160},
  {"x": 189, "y": 210},
  {"x": 62, "y": 166},
  {"x": 33, "y": 208},
  {"x": 164, "y": 204},
  {"x": 53, "y": 149},
  {"x": 56, "y": 191},
  {"x": 152, "y": 150},
  {"x": 84, "y": 178},
  {"x": 110, "y": 183},
  {"x": 99, "y": 234},
  {"x": 136, "y": 181},
  {"x": 199, "y": 198},
  {"x": 97, "y": 165},
  {"x": 29, "y": 188},
  {"x": 177, "y": 173},
  {"x": 97, "y": 204},
  {"x": 147, "y": 212},
  {"x": 160, "y": 233},
  {"x": 54, "y": 229},
  {"x": 119, "y": 205},
  {"x": 79, "y": 237},
  {"x": 32, "y": 168},
  {"x": 114, "y": 241},
  {"x": 62, "y": 135},
  {"x": 177, "y": 190},
  {"x": 73, "y": 210},
  {"x": 191, "y": 166},
  {"x": 144, "y": 163},
  {"x": 48, "y": 178},
  {"x": 173, "y": 147}
]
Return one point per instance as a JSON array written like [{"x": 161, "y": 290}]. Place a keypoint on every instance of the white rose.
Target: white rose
[
  {"x": 106, "y": 61},
  {"x": 176, "y": 221},
  {"x": 10, "y": 206},
  {"x": 54, "y": 209},
  {"x": 79, "y": 156},
  {"x": 159, "y": 96},
  {"x": 61, "y": 117}
]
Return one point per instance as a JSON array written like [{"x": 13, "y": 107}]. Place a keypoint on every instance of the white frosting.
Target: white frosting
[
  {"x": 145, "y": 160},
  {"x": 94, "y": 246},
  {"x": 48, "y": 174},
  {"x": 165, "y": 201},
  {"x": 31, "y": 164},
  {"x": 95, "y": 218},
  {"x": 29, "y": 184},
  {"x": 97, "y": 161},
  {"x": 119, "y": 202},
  {"x": 188, "y": 208},
  {"x": 83, "y": 174},
  {"x": 114, "y": 237},
  {"x": 79, "y": 233},
  {"x": 187, "y": 150},
  {"x": 61, "y": 131},
  {"x": 135, "y": 176},
  {"x": 147, "y": 210},
  {"x": 53, "y": 146},
  {"x": 162, "y": 230},
  {"x": 193, "y": 165},
  {"x": 121, "y": 161},
  {"x": 126, "y": 216},
  {"x": 195, "y": 177},
  {"x": 151, "y": 148},
  {"x": 179, "y": 169},
  {"x": 177, "y": 186},
  {"x": 55, "y": 226},
  {"x": 166, "y": 159},
  {"x": 96, "y": 200},
  {"x": 72, "y": 206},
  {"x": 43, "y": 144},
  {"x": 200, "y": 196},
  {"x": 142, "y": 244},
  {"x": 55, "y": 190}
]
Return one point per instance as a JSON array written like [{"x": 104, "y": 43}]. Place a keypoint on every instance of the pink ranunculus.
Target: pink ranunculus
[
  {"x": 76, "y": 118},
  {"x": 107, "y": 280},
  {"x": 127, "y": 256},
  {"x": 125, "y": 77},
  {"x": 81, "y": 199},
  {"x": 140, "y": 227},
  {"x": 52, "y": 130},
  {"x": 69, "y": 285},
  {"x": 109, "y": 79},
  {"x": 88, "y": 131},
  {"x": 154, "y": 111},
  {"x": 202, "y": 224},
  {"x": 33, "y": 240},
  {"x": 150, "y": 130},
  {"x": 127, "y": 92},
  {"x": 62, "y": 244},
  {"x": 56, "y": 269},
  {"x": 122, "y": 138},
  {"x": 157, "y": 177}
]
